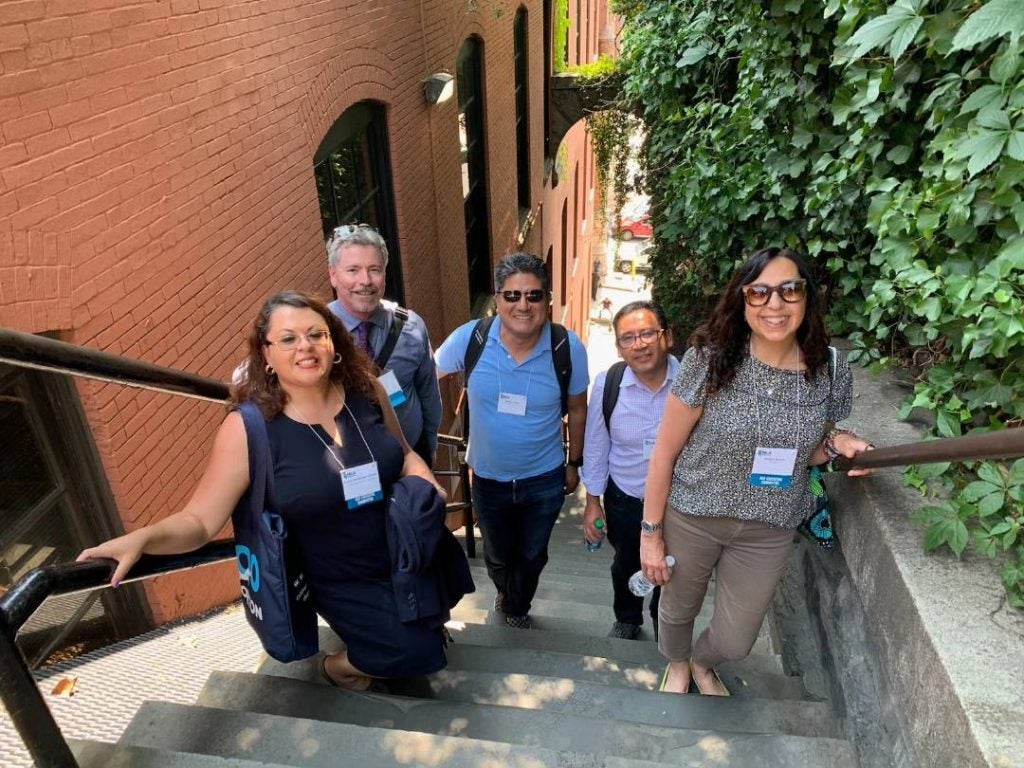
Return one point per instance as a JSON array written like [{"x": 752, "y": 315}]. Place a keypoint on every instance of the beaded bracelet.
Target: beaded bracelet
[{"x": 829, "y": 446}]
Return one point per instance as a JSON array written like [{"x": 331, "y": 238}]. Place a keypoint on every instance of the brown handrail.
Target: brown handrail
[{"x": 1005, "y": 444}]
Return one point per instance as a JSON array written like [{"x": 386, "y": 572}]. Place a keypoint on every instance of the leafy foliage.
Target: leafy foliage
[{"x": 885, "y": 140}]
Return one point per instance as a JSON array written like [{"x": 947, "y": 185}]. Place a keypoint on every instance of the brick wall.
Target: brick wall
[{"x": 156, "y": 184}]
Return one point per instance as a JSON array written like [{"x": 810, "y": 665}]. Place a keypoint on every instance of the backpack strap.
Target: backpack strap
[
  {"x": 562, "y": 359},
  {"x": 476, "y": 346},
  {"x": 398, "y": 320},
  {"x": 612, "y": 384}
]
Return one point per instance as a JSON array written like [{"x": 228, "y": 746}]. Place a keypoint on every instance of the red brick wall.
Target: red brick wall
[{"x": 156, "y": 184}]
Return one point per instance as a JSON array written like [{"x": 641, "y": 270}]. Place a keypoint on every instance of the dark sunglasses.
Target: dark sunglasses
[
  {"x": 790, "y": 292},
  {"x": 533, "y": 296}
]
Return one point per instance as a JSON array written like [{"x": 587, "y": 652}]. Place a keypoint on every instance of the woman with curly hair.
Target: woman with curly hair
[
  {"x": 325, "y": 410},
  {"x": 753, "y": 406}
]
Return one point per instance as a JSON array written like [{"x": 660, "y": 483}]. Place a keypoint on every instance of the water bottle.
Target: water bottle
[
  {"x": 638, "y": 583},
  {"x": 593, "y": 546}
]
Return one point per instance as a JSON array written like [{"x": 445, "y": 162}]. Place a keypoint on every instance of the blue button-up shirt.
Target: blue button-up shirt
[
  {"x": 636, "y": 417},
  {"x": 413, "y": 365},
  {"x": 503, "y": 446}
]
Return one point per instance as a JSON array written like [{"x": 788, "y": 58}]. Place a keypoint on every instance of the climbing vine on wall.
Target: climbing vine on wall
[{"x": 886, "y": 140}]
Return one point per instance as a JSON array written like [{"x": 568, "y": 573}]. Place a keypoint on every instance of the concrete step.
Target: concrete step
[
  {"x": 580, "y": 619},
  {"x": 603, "y": 660},
  {"x": 573, "y": 697},
  {"x": 312, "y": 743},
  {"x": 747, "y": 683},
  {"x": 97, "y": 754},
  {"x": 610, "y": 648},
  {"x": 674, "y": 746}
]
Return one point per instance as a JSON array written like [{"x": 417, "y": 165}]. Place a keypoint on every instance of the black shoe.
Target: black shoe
[
  {"x": 625, "y": 631},
  {"x": 519, "y": 622}
]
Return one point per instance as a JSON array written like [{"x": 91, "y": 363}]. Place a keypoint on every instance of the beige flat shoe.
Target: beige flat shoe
[{"x": 701, "y": 691}]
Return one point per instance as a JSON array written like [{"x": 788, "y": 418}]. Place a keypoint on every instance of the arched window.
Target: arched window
[
  {"x": 522, "y": 67},
  {"x": 353, "y": 181}
]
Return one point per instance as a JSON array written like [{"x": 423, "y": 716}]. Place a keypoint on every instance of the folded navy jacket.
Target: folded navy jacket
[{"x": 429, "y": 570}]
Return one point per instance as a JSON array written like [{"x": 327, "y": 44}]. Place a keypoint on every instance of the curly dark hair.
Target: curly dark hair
[
  {"x": 354, "y": 371},
  {"x": 725, "y": 336}
]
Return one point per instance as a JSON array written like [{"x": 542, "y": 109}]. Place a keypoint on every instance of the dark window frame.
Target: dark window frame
[
  {"x": 361, "y": 126},
  {"x": 521, "y": 61}
]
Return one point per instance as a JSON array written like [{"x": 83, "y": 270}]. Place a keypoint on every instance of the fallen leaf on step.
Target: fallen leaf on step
[
  {"x": 191, "y": 641},
  {"x": 65, "y": 686}
]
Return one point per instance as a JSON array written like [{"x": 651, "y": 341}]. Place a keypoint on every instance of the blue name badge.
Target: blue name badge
[
  {"x": 362, "y": 485},
  {"x": 773, "y": 467},
  {"x": 390, "y": 383}
]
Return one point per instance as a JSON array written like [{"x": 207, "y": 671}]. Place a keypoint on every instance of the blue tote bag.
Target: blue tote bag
[{"x": 275, "y": 591}]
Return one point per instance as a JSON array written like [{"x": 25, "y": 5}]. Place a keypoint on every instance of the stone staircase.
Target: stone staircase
[{"x": 561, "y": 694}]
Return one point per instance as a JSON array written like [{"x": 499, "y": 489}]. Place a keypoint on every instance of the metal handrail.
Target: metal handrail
[
  {"x": 1005, "y": 444},
  {"x": 18, "y": 689}
]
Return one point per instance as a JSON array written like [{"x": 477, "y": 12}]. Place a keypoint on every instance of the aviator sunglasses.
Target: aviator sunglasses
[
  {"x": 533, "y": 296},
  {"x": 790, "y": 292}
]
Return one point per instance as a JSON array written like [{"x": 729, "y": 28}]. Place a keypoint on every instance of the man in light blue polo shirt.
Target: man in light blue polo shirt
[
  {"x": 520, "y": 472},
  {"x": 618, "y": 452},
  {"x": 356, "y": 259}
]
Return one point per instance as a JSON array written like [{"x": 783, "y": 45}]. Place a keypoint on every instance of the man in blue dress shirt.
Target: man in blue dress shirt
[
  {"x": 520, "y": 472},
  {"x": 616, "y": 456},
  {"x": 356, "y": 258}
]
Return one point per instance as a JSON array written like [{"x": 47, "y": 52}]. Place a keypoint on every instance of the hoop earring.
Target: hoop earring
[
  {"x": 269, "y": 369},
  {"x": 337, "y": 358}
]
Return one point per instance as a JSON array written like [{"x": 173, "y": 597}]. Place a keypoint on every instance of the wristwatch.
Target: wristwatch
[
  {"x": 577, "y": 463},
  {"x": 649, "y": 528}
]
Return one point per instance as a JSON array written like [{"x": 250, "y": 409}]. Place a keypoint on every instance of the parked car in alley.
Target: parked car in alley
[
  {"x": 630, "y": 227},
  {"x": 641, "y": 258}
]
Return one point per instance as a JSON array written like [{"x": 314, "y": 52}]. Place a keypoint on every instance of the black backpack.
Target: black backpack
[
  {"x": 612, "y": 384},
  {"x": 560, "y": 355}
]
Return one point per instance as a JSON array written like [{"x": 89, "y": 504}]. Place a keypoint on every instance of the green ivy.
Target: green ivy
[
  {"x": 886, "y": 140},
  {"x": 561, "y": 34}
]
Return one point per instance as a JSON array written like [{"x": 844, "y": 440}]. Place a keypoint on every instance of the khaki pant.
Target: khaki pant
[{"x": 749, "y": 558}]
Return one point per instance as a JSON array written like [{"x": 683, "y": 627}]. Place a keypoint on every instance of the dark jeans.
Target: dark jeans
[
  {"x": 516, "y": 518},
  {"x": 623, "y": 514}
]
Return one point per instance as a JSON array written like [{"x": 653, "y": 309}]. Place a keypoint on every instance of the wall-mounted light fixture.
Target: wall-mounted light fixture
[{"x": 438, "y": 88}]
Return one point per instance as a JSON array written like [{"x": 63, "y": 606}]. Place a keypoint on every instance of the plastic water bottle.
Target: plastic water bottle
[
  {"x": 593, "y": 546},
  {"x": 638, "y": 583}
]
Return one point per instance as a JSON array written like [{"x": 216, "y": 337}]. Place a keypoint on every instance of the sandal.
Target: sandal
[
  {"x": 331, "y": 681},
  {"x": 664, "y": 680},
  {"x": 714, "y": 672}
]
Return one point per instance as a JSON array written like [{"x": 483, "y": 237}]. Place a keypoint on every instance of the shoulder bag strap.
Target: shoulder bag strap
[{"x": 398, "y": 320}]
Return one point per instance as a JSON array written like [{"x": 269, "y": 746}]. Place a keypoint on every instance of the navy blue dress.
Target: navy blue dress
[{"x": 345, "y": 551}]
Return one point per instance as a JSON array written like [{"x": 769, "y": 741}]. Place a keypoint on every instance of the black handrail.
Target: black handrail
[
  {"x": 18, "y": 690},
  {"x": 1005, "y": 444},
  {"x": 29, "y": 351}
]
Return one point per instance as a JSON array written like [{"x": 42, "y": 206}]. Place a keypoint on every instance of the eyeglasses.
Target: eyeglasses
[
  {"x": 790, "y": 292},
  {"x": 647, "y": 336},
  {"x": 533, "y": 296},
  {"x": 315, "y": 338}
]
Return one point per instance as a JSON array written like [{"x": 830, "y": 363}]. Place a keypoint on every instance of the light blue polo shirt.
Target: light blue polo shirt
[{"x": 504, "y": 446}]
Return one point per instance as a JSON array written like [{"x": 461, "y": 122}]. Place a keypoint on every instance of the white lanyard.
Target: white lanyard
[
  {"x": 327, "y": 445},
  {"x": 773, "y": 466}
]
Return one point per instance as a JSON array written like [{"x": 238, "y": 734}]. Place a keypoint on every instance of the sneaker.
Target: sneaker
[
  {"x": 519, "y": 622},
  {"x": 499, "y": 603},
  {"x": 624, "y": 631}
]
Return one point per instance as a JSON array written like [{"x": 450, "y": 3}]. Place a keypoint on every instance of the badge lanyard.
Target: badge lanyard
[
  {"x": 773, "y": 466},
  {"x": 361, "y": 483},
  {"x": 511, "y": 403}
]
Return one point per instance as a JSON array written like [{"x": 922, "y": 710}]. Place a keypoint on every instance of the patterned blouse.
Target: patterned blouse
[{"x": 762, "y": 406}]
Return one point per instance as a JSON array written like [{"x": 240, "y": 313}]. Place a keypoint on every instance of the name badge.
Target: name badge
[
  {"x": 513, "y": 404},
  {"x": 773, "y": 467},
  {"x": 361, "y": 484},
  {"x": 390, "y": 383},
  {"x": 648, "y": 447}
]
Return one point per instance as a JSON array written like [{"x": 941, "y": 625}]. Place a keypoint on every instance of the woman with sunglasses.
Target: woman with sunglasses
[
  {"x": 753, "y": 406},
  {"x": 326, "y": 413}
]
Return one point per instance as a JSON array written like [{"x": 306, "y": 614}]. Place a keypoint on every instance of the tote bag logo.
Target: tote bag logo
[{"x": 249, "y": 571}]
